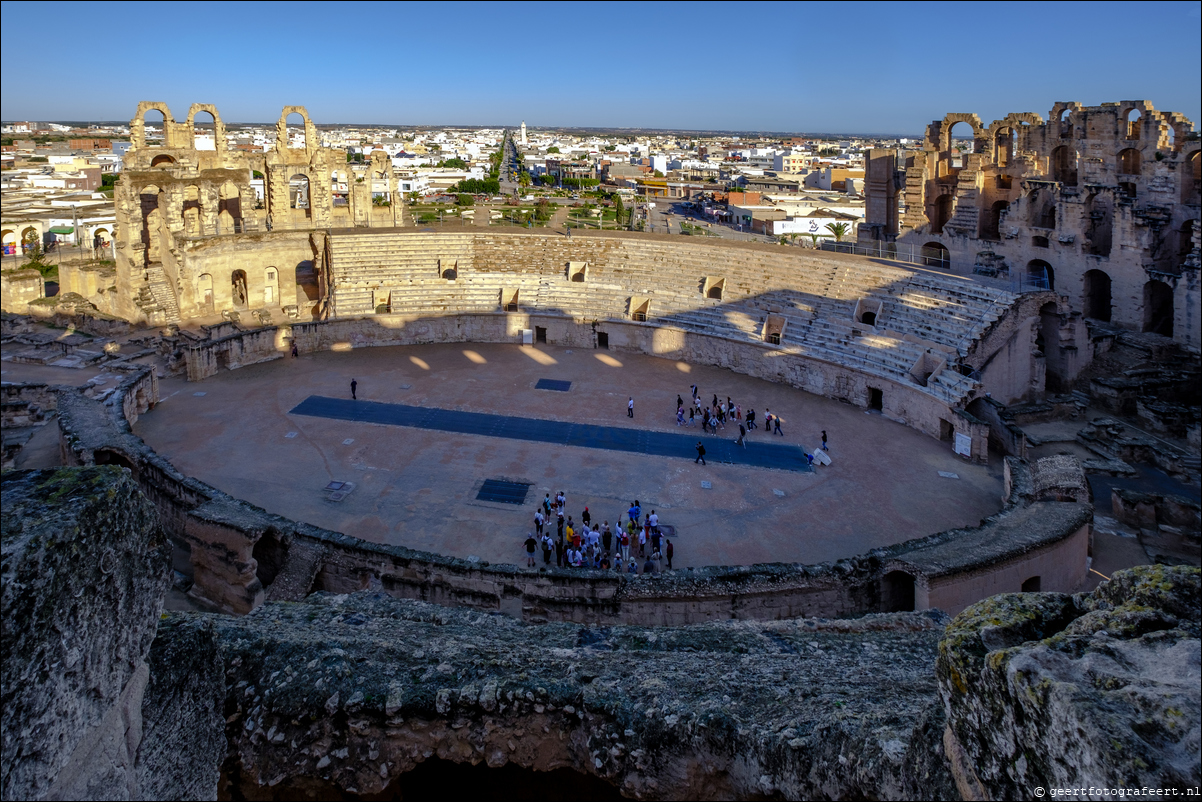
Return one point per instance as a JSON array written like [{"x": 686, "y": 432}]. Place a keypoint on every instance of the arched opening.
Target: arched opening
[
  {"x": 1129, "y": 161},
  {"x": 294, "y": 131},
  {"x": 204, "y": 131},
  {"x": 868, "y": 318},
  {"x": 1040, "y": 275},
  {"x": 1097, "y": 295},
  {"x": 1185, "y": 242},
  {"x": 1066, "y": 124},
  {"x": 935, "y": 254},
  {"x": 152, "y": 221},
  {"x": 238, "y": 291},
  {"x": 450, "y": 274},
  {"x": 1041, "y": 208},
  {"x": 30, "y": 239},
  {"x": 162, "y": 160},
  {"x": 897, "y": 592},
  {"x": 944, "y": 207},
  {"x": 1100, "y": 231},
  {"x": 1158, "y": 308},
  {"x": 993, "y": 221},
  {"x": 298, "y": 193},
  {"x": 229, "y": 209},
  {"x": 1047, "y": 342},
  {"x": 271, "y": 287},
  {"x": 961, "y": 141},
  {"x": 101, "y": 242},
  {"x": 579, "y": 278},
  {"x": 8, "y": 242},
  {"x": 1170, "y": 134},
  {"x": 1133, "y": 123},
  {"x": 154, "y": 129},
  {"x": 204, "y": 293},
  {"x": 1064, "y": 165},
  {"x": 1003, "y": 147},
  {"x": 1031, "y": 585},
  {"x": 1191, "y": 187},
  {"x": 106, "y": 457},
  {"x": 192, "y": 211},
  {"x": 1128, "y": 189},
  {"x": 269, "y": 555}
]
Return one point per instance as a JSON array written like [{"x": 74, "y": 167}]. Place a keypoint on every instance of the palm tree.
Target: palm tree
[{"x": 838, "y": 229}]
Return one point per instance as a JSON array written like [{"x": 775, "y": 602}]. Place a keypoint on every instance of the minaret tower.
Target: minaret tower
[{"x": 523, "y": 133}]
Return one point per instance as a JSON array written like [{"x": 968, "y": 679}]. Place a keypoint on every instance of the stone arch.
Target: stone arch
[
  {"x": 229, "y": 208},
  {"x": 271, "y": 286},
  {"x": 238, "y": 289},
  {"x": 150, "y": 199},
  {"x": 8, "y": 242},
  {"x": 1185, "y": 240},
  {"x": 281, "y": 129},
  {"x": 1133, "y": 118},
  {"x": 204, "y": 293},
  {"x": 936, "y": 254},
  {"x": 137, "y": 126},
  {"x": 945, "y": 206},
  {"x": 1041, "y": 275},
  {"x": 106, "y": 456},
  {"x": 1129, "y": 161},
  {"x": 1099, "y": 211},
  {"x": 30, "y": 237},
  {"x": 897, "y": 592},
  {"x": 1041, "y": 208},
  {"x": 202, "y": 141},
  {"x": 1062, "y": 115},
  {"x": 1158, "y": 308},
  {"x": 218, "y": 126},
  {"x": 1063, "y": 164},
  {"x": 162, "y": 160},
  {"x": 1003, "y": 146},
  {"x": 950, "y": 121},
  {"x": 992, "y": 230},
  {"x": 191, "y": 211},
  {"x": 299, "y": 193},
  {"x": 1097, "y": 295}
]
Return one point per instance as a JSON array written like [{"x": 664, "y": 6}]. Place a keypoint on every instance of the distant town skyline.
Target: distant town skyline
[{"x": 838, "y": 68}]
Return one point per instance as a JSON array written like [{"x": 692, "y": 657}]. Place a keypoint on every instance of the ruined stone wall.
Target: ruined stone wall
[
  {"x": 242, "y": 555},
  {"x": 1109, "y": 205},
  {"x": 210, "y": 264},
  {"x": 18, "y": 288},
  {"x": 904, "y": 403}
]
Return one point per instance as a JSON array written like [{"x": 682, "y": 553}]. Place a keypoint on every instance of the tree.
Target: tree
[
  {"x": 453, "y": 164},
  {"x": 658, "y": 174},
  {"x": 619, "y": 209},
  {"x": 542, "y": 210},
  {"x": 464, "y": 199},
  {"x": 838, "y": 229},
  {"x": 523, "y": 179},
  {"x": 552, "y": 149}
]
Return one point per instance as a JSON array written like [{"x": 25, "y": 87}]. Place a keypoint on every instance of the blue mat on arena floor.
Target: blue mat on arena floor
[{"x": 613, "y": 438}]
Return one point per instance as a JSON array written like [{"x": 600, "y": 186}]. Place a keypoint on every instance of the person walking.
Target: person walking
[
  {"x": 585, "y": 517},
  {"x": 295, "y": 352},
  {"x": 700, "y": 453},
  {"x": 679, "y": 401},
  {"x": 824, "y": 448},
  {"x": 668, "y": 554},
  {"x": 750, "y": 419},
  {"x": 680, "y": 416},
  {"x": 354, "y": 384},
  {"x": 705, "y": 421},
  {"x": 776, "y": 426},
  {"x": 630, "y": 408},
  {"x": 691, "y": 417},
  {"x": 538, "y": 522},
  {"x": 742, "y": 437}
]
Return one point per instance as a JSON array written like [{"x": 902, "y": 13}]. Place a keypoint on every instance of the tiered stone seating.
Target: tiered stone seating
[{"x": 815, "y": 293}]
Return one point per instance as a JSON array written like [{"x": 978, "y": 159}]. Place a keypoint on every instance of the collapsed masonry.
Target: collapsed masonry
[
  {"x": 187, "y": 206},
  {"x": 1099, "y": 203},
  {"x": 360, "y": 695}
]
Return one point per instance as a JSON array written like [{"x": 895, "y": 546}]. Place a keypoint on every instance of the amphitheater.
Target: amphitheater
[{"x": 720, "y": 678}]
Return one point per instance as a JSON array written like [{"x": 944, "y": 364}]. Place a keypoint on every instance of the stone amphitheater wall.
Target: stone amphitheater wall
[
  {"x": 242, "y": 556},
  {"x": 903, "y": 403}
]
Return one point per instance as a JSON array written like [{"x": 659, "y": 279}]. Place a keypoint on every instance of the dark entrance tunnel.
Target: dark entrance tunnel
[{"x": 435, "y": 778}]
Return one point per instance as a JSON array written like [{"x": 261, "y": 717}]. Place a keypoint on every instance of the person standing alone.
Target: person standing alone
[
  {"x": 354, "y": 384},
  {"x": 700, "y": 453},
  {"x": 630, "y": 408}
]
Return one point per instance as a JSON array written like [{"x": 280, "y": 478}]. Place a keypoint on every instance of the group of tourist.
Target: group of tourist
[
  {"x": 720, "y": 413},
  {"x": 637, "y": 547}
]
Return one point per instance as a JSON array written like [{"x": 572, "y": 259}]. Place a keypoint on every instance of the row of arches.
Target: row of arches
[{"x": 154, "y": 127}]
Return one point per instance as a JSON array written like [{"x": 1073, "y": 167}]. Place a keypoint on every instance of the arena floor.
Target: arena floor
[{"x": 417, "y": 487}]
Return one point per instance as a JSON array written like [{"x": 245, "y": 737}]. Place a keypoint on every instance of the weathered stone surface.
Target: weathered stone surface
[
  {"x": 1056, "y": 691},
  {"x": 85, "y": 567},
  {"x": 346, "y": 693}
]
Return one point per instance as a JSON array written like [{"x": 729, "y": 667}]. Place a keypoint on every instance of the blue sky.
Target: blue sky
[{"x": 801, "y": 67}]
